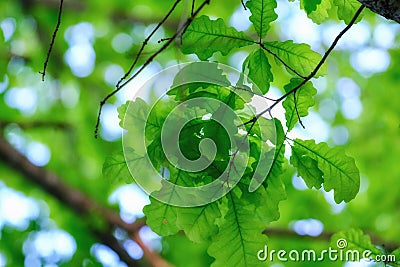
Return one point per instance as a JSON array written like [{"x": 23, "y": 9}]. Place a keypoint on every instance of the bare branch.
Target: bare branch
[
  {"x": 180, "y": 31},
  {"x": 145, "y": 43},
  {"x": 153, "y": 257},
  {"x": 244, "y": 6},
  {"x": 191, "y": 13},
  {"x": 52, "y": 40}
]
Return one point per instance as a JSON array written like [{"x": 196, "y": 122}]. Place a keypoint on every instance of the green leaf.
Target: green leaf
[
  {"x": 128, "y": 120},
  {"x": 240, "y": 233},
  {"x": 396, "y": 253},
  {"x": 204, "y": 37},
  {"x": 339, "y": 170},
  {"x": 115, "y": 168},
  {"x": 259, "y": 70},
  {"x": 262, "y": 14},
  {"x": 307, "y": 168},
  {"x": 299, "y": 57},
  {"x": 304, "y": 100},
  {"x": 161, "y": 217},
  {"x": 198, "y": 223},
  {"x": 133, "y": 116},
  {"x": 321, "y": 13},
  {"x": 275, "y": 188},
  {"x": 354, "y": 239},
  {"x": 347, "y": 9},
  {"x": 201, "y": 76},
  {"x": 309, "y": 5}
]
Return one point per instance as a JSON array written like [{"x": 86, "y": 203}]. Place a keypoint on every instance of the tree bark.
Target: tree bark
[{"x": 389, "y": 9}]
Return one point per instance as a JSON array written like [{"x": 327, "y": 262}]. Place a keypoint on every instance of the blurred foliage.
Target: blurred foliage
[{"x": 77, "y": 158}]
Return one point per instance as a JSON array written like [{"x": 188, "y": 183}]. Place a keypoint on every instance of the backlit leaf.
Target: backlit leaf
[
  {"x": 355, "y": 240},
  {"x": 339, "y": 170},
  {"x": 204, "y": 37},
  {"x": 299, "y": 57},
  {"x": 239, "y": 237},
  {"x": 346, "y": 9},
  {"x": 304, "y": 100},
  {"x": 262, "y": 14},
  {"x": 259, "y": 70}
]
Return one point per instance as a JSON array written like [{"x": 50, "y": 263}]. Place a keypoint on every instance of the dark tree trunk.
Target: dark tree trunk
[{"x": 389, "y": 9}]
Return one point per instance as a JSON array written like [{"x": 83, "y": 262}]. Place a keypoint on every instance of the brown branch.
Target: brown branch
[
  {"x": 74, "y": 199},
  {"x": 108, "y": 239},
  {"x": 180, "y": 31},
  {"x": 149, "y": 254},
  {"x": 52, "y": 40}
]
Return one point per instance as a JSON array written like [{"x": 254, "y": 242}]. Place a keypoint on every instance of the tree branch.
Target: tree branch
[
  {"x": 110, "y": 240},
  {"x": 168, "y": 42},
  {"x": 145, "y": 43},
  {"x": 389, "y": 9},
  {"x": 74, "y": 199},
  {"x": 314, "y": 72},
  {"x": 52, "y": 40}
]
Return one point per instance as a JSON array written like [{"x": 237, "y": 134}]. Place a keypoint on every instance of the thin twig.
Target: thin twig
[
  {"x": 181, "y": 30},
  {"x": 146, "y": 41},
  {"x": 314, "y": 72},
  {"x": 52, "y": 40},
  {"x": 244, "y": 6},
  {"x": 163, "y": 40},
  {"x": 191, "y": 13}
]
